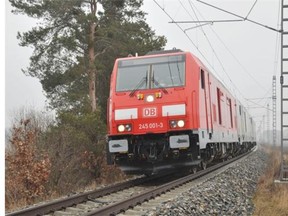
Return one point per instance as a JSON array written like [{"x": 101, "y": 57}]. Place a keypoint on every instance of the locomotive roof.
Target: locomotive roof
[
  {"x": 156, "y": 52},
  {"x": 198, "y": 61}
]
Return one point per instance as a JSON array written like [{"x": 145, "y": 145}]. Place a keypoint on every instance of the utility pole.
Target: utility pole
[
  {"x": 284, "y": 88},
  {"x": 259, "y": 133},
  {"x": 268, "y": 125},
  {"x": 274, "y": 109},
  {"x": 263, "y": 132}
]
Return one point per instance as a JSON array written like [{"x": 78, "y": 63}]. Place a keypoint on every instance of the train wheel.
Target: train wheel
[
  {"x": 204, "y": 165},
  {"x": 194, "y": 169},
  {"x": 149, "y": 174}
]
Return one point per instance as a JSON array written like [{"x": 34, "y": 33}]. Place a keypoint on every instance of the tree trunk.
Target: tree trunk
[{"x": 92, "y": 68}]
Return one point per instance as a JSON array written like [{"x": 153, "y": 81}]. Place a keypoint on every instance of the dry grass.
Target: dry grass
[{"x": 270, "y": 198}]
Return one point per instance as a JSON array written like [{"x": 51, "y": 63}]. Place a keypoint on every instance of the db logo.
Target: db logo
[{"x": 150, "y": 112}]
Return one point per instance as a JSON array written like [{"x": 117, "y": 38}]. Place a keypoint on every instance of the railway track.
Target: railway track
[
  {"x": 79, "y": 203},
  {"x": 118, "y": 198}
]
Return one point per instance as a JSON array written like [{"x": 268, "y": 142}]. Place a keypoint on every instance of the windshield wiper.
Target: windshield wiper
[
  {"x": 170, "y": 72},
  {"x": 139, "y": 85},
  {"x": 159, "y": 85},
  {"x": 179, "y": 73}
]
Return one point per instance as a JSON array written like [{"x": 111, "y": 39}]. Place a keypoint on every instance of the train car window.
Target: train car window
[
  {"x": 219, "y": 94},
  {"x": 202, "y": 79},
  {"x": 230, "y": 109},
  {"x": 245, "y": 121},
  {"x": 159, "y": 72},
  {"x": 214, "y": 113}
]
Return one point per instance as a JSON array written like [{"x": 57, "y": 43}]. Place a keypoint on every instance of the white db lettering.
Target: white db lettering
[{"x": 149, "y": 112}]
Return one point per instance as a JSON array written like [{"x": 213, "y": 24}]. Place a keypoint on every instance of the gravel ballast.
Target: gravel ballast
[{"x": 228, "y": 193}]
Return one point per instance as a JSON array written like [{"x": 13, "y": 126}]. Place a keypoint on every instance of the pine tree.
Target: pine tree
[{"x": 76, "y": 43}]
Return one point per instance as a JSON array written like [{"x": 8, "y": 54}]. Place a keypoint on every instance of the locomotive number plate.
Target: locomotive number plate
[
  {"x": 154, "y": 125},
  {"x": 150, "y": 112}
]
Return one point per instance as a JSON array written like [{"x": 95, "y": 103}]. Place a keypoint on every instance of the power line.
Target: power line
[
  {"x": 257, "y": 98},
  {"x": 274, "y": 117},
  {"x": 260, "y": 99},
  {"x": 188, "y": 38},
  {"x": 251, "y": 9},
  {"x": 260, "y": 107},
  {"x": 216, "y": 55},
  {"x": 244, "y": 18},
  {"x": 277, "y": 45},
  {"x": 184, "y": 31},
  {"x": 205, "y": 21},
  {"x": 197, "y": 26},
  {"x": 226, "y": 47}
]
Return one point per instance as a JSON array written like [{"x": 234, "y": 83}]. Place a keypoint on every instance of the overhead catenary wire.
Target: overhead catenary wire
[
  {"x": 265, "y": 96},
  {"x": 257, "y": 98},
  {"x": 206, "y": 21},
  {"x": 249, "y": 20},
  {"x": 230, "y": 52},
  {"x": 201, "y": 53},
  {"x": 262, "y": 98},
  {"x": 251, "y": 9},
  {"x": 227, "y": 48},
  {"x": 204, "y": 57},
  {"x": 210, "y": 44},
  {"x": 195, "y": 14},
  {"x": 197, "y": 26},
  {"x": 259, "y": 106},
  {"x": 277, "y": 43}
]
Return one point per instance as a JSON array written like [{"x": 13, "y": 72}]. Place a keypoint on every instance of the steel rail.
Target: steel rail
[
  {"x": 79, "y": 198},
  {"x": 138, "y": 199}
]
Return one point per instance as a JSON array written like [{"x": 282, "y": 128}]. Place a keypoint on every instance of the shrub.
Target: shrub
[{"x": 26, "y": 170}]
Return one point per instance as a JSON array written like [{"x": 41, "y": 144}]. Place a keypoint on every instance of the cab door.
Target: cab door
[{"x": 205, "y": 85}]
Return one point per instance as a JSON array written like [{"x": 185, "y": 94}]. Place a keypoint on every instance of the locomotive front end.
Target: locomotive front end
[{"x": 148, "y": 119}]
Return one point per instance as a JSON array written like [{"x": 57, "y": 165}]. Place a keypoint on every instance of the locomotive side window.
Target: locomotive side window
[
  {"x": 146, "y": 73},
  {"x": 230, "y": 109},
  {"x": 214, "y": 113},
  {"x": 202, "y": 75},
  {"x": 245, "y": 122},
  {"x": 219, "y": 94}
]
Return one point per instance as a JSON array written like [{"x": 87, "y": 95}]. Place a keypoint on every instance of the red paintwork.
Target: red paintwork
[{"x": 199, "y": 112}]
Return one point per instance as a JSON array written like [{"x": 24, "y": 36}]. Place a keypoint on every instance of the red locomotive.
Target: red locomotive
[{"x": 166, "y": 110}]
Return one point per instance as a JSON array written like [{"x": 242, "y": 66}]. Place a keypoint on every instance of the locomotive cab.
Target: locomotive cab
[
  {"x": 167, "y": 111},
  {"x": 150, "y": 123}
]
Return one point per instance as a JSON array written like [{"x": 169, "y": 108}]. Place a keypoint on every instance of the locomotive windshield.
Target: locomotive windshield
[{"x": 150, "y": 73}]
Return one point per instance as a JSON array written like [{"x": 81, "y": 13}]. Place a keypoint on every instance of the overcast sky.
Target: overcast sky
[
  {"x": 20, "y": 90},
  {"x": 241, "y": 54}
]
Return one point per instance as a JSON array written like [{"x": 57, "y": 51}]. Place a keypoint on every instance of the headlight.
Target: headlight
[
  {"x": 150, "y": 98},
  {"x": 121, "y": 128},
  {"x": 173, "y": 124},
  {"x": 177, "y": 123},
  {"x": 127, "y": 127},
  {"x": 180, "y": 123}
]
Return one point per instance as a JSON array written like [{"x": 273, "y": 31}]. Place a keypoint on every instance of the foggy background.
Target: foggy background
[{"x": 243, "y": 55}]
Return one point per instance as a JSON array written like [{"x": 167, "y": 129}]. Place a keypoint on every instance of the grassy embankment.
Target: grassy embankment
[{"x": 271, "y": 198}]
